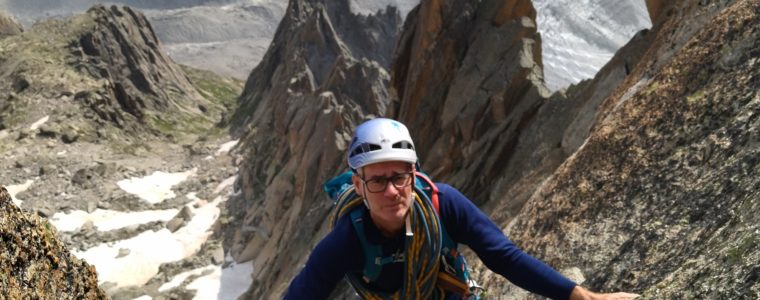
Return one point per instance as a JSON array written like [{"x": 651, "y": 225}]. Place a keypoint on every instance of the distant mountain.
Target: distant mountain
[
  {"x": 228, "y": 39},
  {"x": 225, "y": 36},
  {"x": 231, "y": 36},
  {"x": 579, "y": 37},
  {"x": 32, "y": 10}
]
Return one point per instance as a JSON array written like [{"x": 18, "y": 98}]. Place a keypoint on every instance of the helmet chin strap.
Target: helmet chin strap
[
  {"x": 364, "y": 197},
  {"x": 408, "y": 222}
]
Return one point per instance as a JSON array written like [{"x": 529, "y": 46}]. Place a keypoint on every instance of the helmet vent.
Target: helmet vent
[
  {"x": 403, "y": 145},
  {"x": 364, "y": 148}
]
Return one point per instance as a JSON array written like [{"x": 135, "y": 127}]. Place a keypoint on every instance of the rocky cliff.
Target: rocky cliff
[
  {"x": 475, "y": 81},
  {"x": 324, "y": 73},
  {"x": 661, "y": 199},
  {"x": 608, "y": 181},
  {"x": 124, "y": 49},
  {"x": 35, "y": 264}
]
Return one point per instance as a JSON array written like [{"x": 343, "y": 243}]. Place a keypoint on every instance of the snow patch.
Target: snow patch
[
  {"x": 36, "y": 125},
  {"x": 224, "y": 284},
  {"x": 179, "y": 278},
  {"x": 156, "y": 187},
  {"x": 106, "y": 220},
  {"x": 18, "y": 188},
  {"x": 226, "y": 147},
  {"x": 150, "y": 249},
  {"x": 225, "y": 184}
]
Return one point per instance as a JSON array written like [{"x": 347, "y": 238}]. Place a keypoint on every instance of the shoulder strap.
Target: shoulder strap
[
  {"x": 373, "y": 253},
  {"x": 429, "y": 188}
]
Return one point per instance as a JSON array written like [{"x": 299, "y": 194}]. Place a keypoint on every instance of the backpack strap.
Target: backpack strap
[
  {"x": 430, "y": 189},
  {"x": 373, "y": 253}
]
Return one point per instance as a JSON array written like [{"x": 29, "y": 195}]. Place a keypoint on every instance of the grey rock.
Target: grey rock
[
  {"x": 83, "y": 177},
  {"x": 123, "y": 252},
  {"x": 9, "y": 25},
  {"x": 23, "y": 133},
  {"x": 20, "y": 84},
  {"x": 92, "y": 205},
  {"x": 70, "y": 136},
  {"x": 175, "y": 224},
  {"x": 217, "y": 256},
  {"x": 88, "y": 226},
  {"x": 48, "y": 131},
  {"x": 185, "y": 213}
]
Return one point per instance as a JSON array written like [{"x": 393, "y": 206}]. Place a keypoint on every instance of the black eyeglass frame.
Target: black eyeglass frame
[{"x": 407, "y": 177}]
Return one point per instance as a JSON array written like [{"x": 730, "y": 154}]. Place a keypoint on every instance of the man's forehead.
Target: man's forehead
[{"x": 386, "y": 168}]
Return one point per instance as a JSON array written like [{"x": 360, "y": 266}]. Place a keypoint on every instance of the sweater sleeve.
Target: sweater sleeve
[
  {"x": 330, "y": 260},
  {"x": 466, "y": 224}
]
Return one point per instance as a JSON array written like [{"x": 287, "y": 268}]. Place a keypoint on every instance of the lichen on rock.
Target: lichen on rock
[{"x": 34, "y": 264}]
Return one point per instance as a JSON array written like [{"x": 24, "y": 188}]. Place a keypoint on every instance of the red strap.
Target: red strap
[{"x": 434, "y": 194}]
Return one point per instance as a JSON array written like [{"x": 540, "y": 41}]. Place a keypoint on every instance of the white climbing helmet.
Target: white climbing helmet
[{"x": 380, "y": 140}]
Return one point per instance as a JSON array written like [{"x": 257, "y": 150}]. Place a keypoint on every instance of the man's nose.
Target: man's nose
[{"x": 390, "y": 189}]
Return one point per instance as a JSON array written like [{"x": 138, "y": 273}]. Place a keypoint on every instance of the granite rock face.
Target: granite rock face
[
  {"x": 660, "y": 199},
  {"x": 324, "y": 73},
  {"x": 638, "y": 180},
  {"x": 34, "y": 264},
  {"x": 468, "y": 78}
]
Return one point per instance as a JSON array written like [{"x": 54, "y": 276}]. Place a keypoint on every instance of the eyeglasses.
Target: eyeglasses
[{"x": 379, "y": 184}]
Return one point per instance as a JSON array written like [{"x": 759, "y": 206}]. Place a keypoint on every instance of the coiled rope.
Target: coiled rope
[{"x": 422, "y": 253}]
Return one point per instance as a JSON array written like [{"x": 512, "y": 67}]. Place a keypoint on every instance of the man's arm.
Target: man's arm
[
  {"x": 327, "y": 264},
  {"x": 468, "y": 225}
]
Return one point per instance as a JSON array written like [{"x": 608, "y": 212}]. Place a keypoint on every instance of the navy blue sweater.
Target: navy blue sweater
[{"x": 340, "y": 253}]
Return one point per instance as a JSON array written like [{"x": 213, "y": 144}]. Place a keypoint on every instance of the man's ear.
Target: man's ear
[{"x": 357, "y": 184}]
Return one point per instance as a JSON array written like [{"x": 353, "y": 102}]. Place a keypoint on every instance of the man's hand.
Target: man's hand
[{"x": 580, "y": 293}]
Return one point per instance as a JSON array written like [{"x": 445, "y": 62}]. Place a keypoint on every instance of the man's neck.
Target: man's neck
[{"x": 386, "y": 229}]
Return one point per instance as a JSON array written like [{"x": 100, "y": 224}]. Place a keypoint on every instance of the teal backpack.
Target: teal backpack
[{"x": 452, "y": 273}]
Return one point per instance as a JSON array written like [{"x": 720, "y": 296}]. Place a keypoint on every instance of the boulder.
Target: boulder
[{"x": 9, "y": 25}]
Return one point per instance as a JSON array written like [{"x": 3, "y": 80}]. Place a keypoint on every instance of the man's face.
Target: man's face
[{"x": 389, "y": 206}]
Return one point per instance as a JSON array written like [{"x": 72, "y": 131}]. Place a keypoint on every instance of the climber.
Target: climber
[{"x": 395, "y": 233}]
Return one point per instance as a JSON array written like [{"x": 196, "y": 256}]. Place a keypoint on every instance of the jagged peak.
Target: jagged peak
[{"x": 9, "y": 25}]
